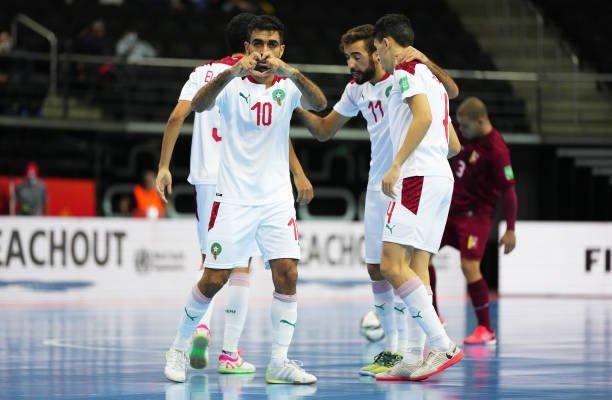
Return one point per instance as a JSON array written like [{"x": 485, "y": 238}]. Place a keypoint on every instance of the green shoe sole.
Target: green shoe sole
[{"x": 198, "y": 357}]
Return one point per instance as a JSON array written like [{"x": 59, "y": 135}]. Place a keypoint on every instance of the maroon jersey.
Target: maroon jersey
[{"x": 482, "y": 170}]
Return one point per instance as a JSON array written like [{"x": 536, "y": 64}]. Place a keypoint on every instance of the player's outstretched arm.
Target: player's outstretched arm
[
  {"x": 305, "y": 191},
  {"x": 205, "y": 98},
  {"x": 454, "y": 146},
  {"x": 322, "y": 128},
  {"x": 419, "y": 125},
  {"x": 312, "y": 96},
  {"x": 171, "y": 133},
  {"x": 410, "y": 53}
]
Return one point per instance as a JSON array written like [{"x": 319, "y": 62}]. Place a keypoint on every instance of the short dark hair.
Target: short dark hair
[
  {"x": 266, "y": 23},
  {"x": 354, "y": 35},
  {"x": 396, "y": 26},
  {"x": 237, "y": 31}
]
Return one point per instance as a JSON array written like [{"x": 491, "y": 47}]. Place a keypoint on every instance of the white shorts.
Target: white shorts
[
  {"x": 205, "y": 196},
  {"x": 418, "y": 220},
  {"x": 374, "y": 222},
  {"x": 236, "y": 231}
]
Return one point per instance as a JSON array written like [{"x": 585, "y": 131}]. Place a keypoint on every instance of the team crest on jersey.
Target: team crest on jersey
[
  {"x": 472, "y": 242},
  {"x": 388, "y": 91},
  {"x": 215, "y": 249},
  {"x": 278, "y": 95},
  {"x": 474, "y": 157},
  {"x": 404, "y": 84}
]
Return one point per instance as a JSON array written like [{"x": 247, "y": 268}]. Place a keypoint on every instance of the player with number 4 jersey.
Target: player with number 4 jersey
[
  {"x": 419, "y": 183},
  {"x": 367, "y": 93}
]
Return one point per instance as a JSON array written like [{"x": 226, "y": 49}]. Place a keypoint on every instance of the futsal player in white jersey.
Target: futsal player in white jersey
[
  {"x": 254, "y": 201},
  {"x": 420, "y": 185},
  {"x": 368, "y": 93},
  {"x": 205, "y": 152}
]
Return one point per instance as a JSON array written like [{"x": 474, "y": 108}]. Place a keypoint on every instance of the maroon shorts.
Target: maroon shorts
[{"x": 467, "y": 233}]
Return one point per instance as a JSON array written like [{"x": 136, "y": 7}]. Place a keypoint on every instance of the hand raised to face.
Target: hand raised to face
[{"x": 268, "y": 64}]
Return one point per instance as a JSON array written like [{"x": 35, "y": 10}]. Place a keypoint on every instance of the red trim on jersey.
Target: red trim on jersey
[
  {"x": 229, "y": 60},
  {"x": 276, "y": 79},
  {"x": 411, "y": 192},
  {"x": 390, "y": 208},
  {"x": 352, "y": 82},
  {"x": 408, "y": 66},
  {"x": 384, "y": 78},
  {"x": 213, "y": 215}
]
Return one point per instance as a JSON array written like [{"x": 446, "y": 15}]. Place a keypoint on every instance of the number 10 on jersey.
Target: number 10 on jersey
[{"x": 264, "y": 113}]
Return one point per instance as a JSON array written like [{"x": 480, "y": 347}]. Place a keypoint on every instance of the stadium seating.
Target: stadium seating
[
  {"x": 587, "y": 27},
  {"x": 147, "y": 93}
]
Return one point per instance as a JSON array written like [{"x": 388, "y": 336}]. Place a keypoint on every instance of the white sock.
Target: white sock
[
  {"x": 415, "y": 343},
  {"x": 415, "y": 296},
  {"x": 194, "y": 309},
  {"x": 236, "y": 307},
  {"x": 383, "y": 305},
  {"x": 400, "y": 313},
  {"x": 284, "y": 317},
  {"x": 208, "y": 314},
  {"x": 411, "y": 338}
]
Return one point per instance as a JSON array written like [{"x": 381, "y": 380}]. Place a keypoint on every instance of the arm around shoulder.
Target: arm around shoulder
[
  {"x": 322, "y": 128},
  {"x": 311, "y": 93}
]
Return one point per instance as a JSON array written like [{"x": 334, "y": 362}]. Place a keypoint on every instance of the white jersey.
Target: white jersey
[
  {"x": 254, "y": 167},
  {"x": 207, "y": 136},
  {"x": 429, "y": 158},
  {"x": 372, "y": 101}
]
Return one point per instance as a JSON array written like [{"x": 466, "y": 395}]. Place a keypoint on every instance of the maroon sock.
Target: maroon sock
[
  {"x": 479, "y": 292},
  {"x": 432, "y": 284}
]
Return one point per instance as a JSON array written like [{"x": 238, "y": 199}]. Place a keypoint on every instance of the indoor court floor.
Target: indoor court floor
[{"x": 548, "y": 348}]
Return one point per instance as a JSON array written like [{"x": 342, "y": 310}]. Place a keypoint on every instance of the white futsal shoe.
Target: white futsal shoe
[
  {"x": 176, "y": 361},
  {"x": 290, "y": 372}
]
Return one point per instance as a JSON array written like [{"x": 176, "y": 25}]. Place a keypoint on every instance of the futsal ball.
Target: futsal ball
[{"x": 370, "y": 327}]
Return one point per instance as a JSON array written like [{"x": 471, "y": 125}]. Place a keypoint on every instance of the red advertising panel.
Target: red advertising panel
[{"x": 67, "y": 197}]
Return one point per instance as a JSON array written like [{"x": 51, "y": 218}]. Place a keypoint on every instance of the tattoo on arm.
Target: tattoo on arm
[
  {"x": 205, "y": 98},
  {"x": 313, "y": 94}
]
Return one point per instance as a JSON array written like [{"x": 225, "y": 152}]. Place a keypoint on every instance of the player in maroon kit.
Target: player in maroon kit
[{"x": 483, "y": 173}]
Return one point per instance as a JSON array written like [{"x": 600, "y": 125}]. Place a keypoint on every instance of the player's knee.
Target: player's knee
[
  {"x": 212, "y": 281},
  {"x": 285, "y": 277},
  {"x": 374, "y": 272},
  {"x": 470, "y": 268},
  {"x": 388, "y": 269},
  {"x": 289, "y": 276}
]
